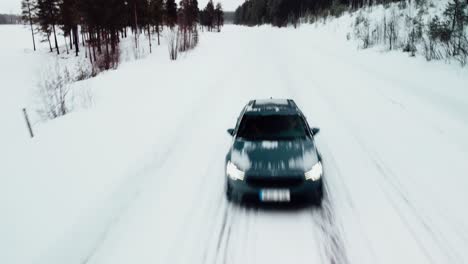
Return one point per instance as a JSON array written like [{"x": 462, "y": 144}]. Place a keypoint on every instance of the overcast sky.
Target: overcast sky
[
  {"x": 10, "y": 6},
  {"x": 14, "y": 6}
]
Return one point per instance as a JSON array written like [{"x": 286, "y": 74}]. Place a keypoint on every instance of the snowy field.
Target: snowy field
[{"x": 138, "y": 177}]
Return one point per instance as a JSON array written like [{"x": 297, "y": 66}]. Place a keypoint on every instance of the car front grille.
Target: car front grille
[{"x": 274, "y": 181}]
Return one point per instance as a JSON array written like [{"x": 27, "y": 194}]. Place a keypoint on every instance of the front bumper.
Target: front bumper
[{"x": 300, "y": 192}]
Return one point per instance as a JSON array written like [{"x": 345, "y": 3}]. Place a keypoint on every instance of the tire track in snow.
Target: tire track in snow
[
  {"x": 218, "y": 225},
  {"x": 401, "y": 215},
  {"x": 400, "y": 193},
  {"x": 333, "y": 245},
  {"x": 199, "y": 209},
  {"x": 233, "y": 233},
  {"x": 218, "y": 240},
  {"x": 130, "y": 189},
  {"x": 333, "y": 173},
  {"x": 248, "y": 249},
  {"x": 239, "y": 240},
  {"x": 224, "y": 235},
  {"x": 223, "y": 239},
  {"x": 135, "y": 182}
]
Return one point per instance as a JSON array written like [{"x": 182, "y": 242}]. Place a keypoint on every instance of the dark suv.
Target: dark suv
[{"x": 273, "y": 158}]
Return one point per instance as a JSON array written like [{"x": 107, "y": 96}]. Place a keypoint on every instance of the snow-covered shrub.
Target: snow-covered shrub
[
  {"x": 373, "y": 31},
  {"x": 58, "y": 92},
  {"x": 392, "y": 30},
  {"x": 415, "y": 26},
  {"x": 402, "y": 5},
  {"x": 436, "y": 29},
  {"x": 52, "y": 91},
  {"x": 436, "y": 42},
  {"x": 106, "y": 60},
  {"x": 447, "y": 36},
  {"x": 421, "y": 3},
  {"x": 84, "y": 70},
  {"x": 362, "y": 30}
]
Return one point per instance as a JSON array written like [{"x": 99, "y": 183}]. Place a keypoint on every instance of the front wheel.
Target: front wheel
[
  {"x": 228, "y": 192},
  {"x": 318, "y": 196}
]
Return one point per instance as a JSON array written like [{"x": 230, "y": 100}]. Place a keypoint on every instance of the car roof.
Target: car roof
[{"x": 272, "y": 106}]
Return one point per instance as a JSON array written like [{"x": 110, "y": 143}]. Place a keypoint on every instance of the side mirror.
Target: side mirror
[
  {"x": 231, "y": 131},
  {"x": 315, "y": 131}
]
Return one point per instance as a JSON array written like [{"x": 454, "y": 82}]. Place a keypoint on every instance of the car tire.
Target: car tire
[
  {"x": 228, "y": 192},
  {"x": 318, "y": 197}
]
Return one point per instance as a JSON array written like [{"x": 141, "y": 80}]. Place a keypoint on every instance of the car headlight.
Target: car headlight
[
  {"x": 233, "y": 172},
  {"x": 315, "y": 173}
]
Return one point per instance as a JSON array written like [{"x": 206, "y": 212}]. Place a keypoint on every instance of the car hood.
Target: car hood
[{"x": 274, "y": 158}]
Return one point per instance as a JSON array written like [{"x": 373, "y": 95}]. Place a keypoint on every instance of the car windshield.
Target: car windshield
[{"x": 272, "y": 127}]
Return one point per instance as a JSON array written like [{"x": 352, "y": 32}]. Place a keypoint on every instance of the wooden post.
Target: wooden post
[{"x": 28, "y": 123}]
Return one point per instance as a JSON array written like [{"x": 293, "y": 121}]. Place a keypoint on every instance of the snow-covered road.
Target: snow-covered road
[{"x": 393, "y": 140}]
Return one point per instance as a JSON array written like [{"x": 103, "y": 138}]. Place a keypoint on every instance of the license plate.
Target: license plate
[{"x": 275, "y": 195}]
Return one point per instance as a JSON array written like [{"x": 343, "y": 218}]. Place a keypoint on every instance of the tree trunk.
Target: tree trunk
[
  {"x": 66, "y": 46},
  {"x": 50, "y": 44},
  {"x": 136, "y": 25},
  {"x": 114, "y": 37},
  {"x": 85, "y": 51},
  {"x": 89, "y": 51},
  {"x": 83, "y": 41},
  {"x": 99, "y": 41},
  {"x": 76, "y": 39},
  {"x": 157, "y": 32},
  {"x": 55, "y": 38},
  {"x": 31, "y": 24},
  {"x": 106, "y": 39},
  {"x": 149, "y": 37},
  {"x": 92, "y": 44}
]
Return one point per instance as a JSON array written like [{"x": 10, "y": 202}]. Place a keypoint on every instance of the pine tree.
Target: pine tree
[
  {"x": 171, "y": 13},
  {"x": 48, "y": 18},
  {"x": 457, "y": 19},
  {"x": 194, "y": 12},
  {"x": 157, "y": 11},
  {"x": 219, "y": 16},
  {"x": 210, "y": 15},
  {"x": 69, "y": 22},
  {"x": 187, "y": 21}
]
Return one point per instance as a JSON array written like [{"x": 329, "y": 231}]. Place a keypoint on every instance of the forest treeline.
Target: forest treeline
[
  {"x": 101, "y": 24},
  {"x": 283, "y": 12},
  {"x": 9, "y": 19}
]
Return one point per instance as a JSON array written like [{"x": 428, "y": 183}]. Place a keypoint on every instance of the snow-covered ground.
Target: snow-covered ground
[{"x": 138, "y": 178}]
